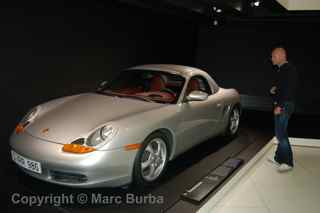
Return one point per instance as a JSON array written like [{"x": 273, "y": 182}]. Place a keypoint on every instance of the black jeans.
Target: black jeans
[{"x": 284, "y": 151}]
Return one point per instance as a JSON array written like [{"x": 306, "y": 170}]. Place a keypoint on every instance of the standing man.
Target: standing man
[{"x": 284, "y": 94}]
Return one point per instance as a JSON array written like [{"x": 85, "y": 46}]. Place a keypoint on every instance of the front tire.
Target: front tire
[
  {"x": 151, "y": 160},
  {"x": 233, "y": 122}
]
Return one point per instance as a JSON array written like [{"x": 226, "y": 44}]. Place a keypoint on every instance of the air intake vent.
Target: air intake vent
[{"x": 68, "y": 177}]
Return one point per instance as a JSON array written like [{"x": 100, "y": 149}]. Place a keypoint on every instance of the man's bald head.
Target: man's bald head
[{"x": 279, "y": 56}]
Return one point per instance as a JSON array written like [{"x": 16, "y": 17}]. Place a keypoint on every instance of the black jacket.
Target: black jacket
[{"x": 287, "y": 84}]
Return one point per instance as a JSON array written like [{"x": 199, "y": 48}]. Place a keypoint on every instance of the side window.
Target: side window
[
  {"x": 198, "y": 83},
  {"x": 204, "y": 86}
]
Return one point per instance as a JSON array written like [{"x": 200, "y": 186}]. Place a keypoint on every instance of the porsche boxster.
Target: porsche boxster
[{"x": 125, "y": 131}]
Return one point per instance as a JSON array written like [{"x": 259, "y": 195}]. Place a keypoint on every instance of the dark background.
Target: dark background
[
  {"x": 54, "y": 48},
  {"x": 238, "y": 55},
  {"x": 51, "y": 49}
]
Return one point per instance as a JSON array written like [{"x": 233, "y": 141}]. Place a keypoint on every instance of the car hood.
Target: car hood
[{"x": 77, "y": 117}]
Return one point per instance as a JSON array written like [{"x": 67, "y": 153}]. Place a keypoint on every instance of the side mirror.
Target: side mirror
[
  {"x": 197, "y": 95},
  {"x": 102, "y": 85}
]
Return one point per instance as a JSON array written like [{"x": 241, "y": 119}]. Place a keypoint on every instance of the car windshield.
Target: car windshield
[{"x": 146, "y": 85}]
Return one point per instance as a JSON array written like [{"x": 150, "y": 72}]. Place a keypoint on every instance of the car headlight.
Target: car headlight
[
  {"x": 103, "y": 134},
  {"x": 28, "y": 118}
]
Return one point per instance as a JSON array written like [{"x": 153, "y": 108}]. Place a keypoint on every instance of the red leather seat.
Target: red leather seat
[
  {"x": 193, "y": 85},
  {"x": 157, "y": 83}
]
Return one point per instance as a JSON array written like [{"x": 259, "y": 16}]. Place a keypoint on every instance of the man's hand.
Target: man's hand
[
  {"x": 277, "y": 110},
  {"x": 273, "y": 90}
]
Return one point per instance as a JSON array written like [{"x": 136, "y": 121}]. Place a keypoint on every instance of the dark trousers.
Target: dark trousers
[{"x": 284, "y": 151}]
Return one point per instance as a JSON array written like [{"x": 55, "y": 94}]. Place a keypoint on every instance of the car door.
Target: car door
[{"x": 198, "y": 118}]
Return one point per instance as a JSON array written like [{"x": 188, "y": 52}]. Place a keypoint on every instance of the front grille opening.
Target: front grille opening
[{"x": 68, "y": 177}]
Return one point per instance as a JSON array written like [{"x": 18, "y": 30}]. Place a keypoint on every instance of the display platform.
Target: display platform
[
  {"x": 182, "y": 174},
  {"x": 213, "y": 180},
  {"x": 258, "y": 187}
]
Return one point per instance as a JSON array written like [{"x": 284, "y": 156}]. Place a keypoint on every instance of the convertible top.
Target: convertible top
[{"x": 172, "y": 68}]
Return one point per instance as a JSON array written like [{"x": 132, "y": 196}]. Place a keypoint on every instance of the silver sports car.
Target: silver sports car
[{"x": 127, "y": 130}]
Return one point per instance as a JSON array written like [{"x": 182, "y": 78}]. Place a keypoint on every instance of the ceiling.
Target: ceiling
[
  {"x": 300, "y": 5},
  {"x": 233, "y": 8}
]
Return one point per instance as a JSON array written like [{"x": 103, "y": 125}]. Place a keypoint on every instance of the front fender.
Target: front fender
[{"x": 135, "y": 129}]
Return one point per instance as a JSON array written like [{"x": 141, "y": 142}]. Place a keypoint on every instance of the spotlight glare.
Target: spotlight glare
[{"x": 256, "y": 3}]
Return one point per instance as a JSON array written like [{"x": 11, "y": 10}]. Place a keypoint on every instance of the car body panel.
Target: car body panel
[
  {"x": 80, "y": 116},
  {"x": 187, "y": 123},
  {"x": 102, "y": 168}
]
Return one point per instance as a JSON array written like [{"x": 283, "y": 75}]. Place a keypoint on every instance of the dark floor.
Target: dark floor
[{"x": 256, "y": 130}]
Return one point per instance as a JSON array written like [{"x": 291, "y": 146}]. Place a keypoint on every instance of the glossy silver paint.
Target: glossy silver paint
[{"x": 187, "y": 124}]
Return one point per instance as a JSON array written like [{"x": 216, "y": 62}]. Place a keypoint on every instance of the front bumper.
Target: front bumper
[{"x": 110, "y": 168}]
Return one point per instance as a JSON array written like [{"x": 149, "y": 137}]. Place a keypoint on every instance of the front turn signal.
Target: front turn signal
[
  {"x": 19, "y": 129},
  {"x": 132, "y": 146},
  {"x": 77, "y": 148}
]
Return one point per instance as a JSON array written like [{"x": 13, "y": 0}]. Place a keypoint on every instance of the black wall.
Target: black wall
[
  {"x": 237, "y": 55},
  {"x": 51, "y": 48}
]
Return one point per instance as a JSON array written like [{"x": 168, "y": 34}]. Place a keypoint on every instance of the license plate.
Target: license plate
[{"x": 26, "y": 163}]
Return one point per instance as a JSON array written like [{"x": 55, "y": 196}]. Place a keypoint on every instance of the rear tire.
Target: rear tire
[{"x": 151, "y": 160}]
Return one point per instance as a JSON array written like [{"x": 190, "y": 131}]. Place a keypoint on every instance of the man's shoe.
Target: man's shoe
[
  {"x": 284, "y": 168},
  {"x": 273, "y": 161}
]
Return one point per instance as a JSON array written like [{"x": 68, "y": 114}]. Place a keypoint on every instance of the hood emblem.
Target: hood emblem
[{"x": 46, "y": 130}]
